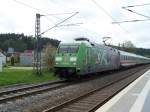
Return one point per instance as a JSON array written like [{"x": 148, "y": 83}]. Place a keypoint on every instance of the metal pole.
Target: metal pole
[{"x": 37, "y": 59}]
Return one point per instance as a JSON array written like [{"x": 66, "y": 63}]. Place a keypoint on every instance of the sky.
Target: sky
[{"x": 18, "y": 16}]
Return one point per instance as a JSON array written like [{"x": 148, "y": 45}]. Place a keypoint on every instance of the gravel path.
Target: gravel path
[{"x": 41, "y": 101}]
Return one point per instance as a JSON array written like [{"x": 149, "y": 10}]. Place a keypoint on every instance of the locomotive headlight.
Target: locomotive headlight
[
  {"x": 74, "y": 63},
  {"x": 73, "y": 59},
  {"x": 58, "y": 59}
]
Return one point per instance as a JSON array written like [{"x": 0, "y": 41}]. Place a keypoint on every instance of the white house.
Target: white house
[{"x": 3, "y": 58}]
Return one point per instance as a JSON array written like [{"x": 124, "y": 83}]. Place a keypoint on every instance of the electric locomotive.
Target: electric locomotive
[{"x": 83, "y": 57}]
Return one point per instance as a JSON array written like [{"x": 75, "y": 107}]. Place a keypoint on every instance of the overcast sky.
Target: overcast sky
[{"x": 97, "y": 23}]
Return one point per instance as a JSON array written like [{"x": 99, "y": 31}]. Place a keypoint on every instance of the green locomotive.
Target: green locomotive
[{"x": 83, "y": 57}]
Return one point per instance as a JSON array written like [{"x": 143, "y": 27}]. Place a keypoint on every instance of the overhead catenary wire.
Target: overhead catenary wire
[
  {"x": 130, "y": 21},
  {"x": 63, "y": 13},
  {"x": 136, "y": 12},
  {"x": 101, "y": 8},
  {"x": 73, "y": 24},
  {"x": 137, "y": 5},
  {"x": 60, "y": 23},
  {"x": 47, "y": 14},
  {"x": 31, "y": 7},
  {"x": 55, "y": 14}
]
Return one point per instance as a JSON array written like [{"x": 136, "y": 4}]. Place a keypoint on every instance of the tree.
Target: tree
[
  {"x": 128, "y": 44},
  {"x": 49, "y": 56}
]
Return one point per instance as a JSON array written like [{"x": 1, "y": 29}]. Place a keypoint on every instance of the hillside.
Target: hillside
[{"x": 21, "y": 42}]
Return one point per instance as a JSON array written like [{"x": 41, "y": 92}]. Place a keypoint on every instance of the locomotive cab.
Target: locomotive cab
[{"x": 66, "y": 59}]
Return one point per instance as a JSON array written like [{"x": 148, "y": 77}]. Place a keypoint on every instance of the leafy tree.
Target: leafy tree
[
  {"x": 128, "y": 44},
  {"x": 49, "y": 56}
]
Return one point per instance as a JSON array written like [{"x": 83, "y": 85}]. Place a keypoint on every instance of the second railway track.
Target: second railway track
[{"x": 13, "y": 94}]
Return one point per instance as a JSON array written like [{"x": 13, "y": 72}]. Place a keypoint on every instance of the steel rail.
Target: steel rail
[
  {"x": 29, "y": 90},
  {"x": 29, "y": 87}
]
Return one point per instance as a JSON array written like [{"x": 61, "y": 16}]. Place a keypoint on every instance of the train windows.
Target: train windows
[
  {"x": 73, "y": 49},
  {"x": 63, "y": 49},
  {"x": 68, "y": 49}
]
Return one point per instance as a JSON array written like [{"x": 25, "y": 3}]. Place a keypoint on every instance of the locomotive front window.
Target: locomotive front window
[
  {"x": 73, "y": 49},
  {"x": 63, "y": 49},
  {"x": 68, "y": 49}
]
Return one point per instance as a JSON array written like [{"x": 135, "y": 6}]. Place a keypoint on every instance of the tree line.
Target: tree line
[
  {"x": 21, "y": 42},
  {"x": 128, "y": 46}
]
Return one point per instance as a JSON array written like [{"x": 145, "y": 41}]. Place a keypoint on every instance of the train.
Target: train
[{"x": 82, "y": 57}]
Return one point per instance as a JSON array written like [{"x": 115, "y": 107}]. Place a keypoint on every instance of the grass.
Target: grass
[{"x": 15, "y": 76}]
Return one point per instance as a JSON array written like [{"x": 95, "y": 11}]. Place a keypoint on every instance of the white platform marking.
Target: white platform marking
[
  {"x": 138, "y": 105},
  {"x": 112, "y": 101}
]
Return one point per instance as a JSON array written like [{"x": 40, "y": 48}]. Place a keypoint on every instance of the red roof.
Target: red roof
[{"x": 28, "y": 51}]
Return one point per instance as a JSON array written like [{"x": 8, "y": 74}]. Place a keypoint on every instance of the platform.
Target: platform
[{"x": 134, "y": 98}]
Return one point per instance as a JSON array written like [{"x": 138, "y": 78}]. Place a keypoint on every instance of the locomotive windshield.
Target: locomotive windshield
[{"x": 68, "y": 49}]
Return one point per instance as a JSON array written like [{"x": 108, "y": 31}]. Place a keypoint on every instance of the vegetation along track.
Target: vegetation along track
[
  {"x": 92, "y": 100},
  {"x": 30, "y": 90}
]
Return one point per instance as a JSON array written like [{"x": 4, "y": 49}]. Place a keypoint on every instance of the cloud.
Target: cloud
[{"x": 96, "y": 23}]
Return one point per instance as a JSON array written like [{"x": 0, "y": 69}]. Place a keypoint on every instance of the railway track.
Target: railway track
[
  {"x": 13, "y": 94},
  {"x": 90, "y": 101}
]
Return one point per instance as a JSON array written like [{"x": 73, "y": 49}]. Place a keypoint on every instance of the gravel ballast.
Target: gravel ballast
[{"x": 48, "y": 99}]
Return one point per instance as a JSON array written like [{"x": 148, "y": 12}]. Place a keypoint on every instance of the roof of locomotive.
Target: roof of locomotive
[
  {"x": 78, "y": 41},
  {"x": 88, "y": 43}
]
